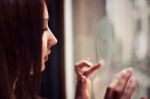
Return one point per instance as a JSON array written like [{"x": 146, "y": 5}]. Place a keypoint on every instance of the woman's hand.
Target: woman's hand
[
  {"x": 83, "y": 83},
  {"x": 123, "y": 86}
]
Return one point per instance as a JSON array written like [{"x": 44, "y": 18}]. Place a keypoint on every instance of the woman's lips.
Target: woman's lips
[{"x": 45, "y": 58}]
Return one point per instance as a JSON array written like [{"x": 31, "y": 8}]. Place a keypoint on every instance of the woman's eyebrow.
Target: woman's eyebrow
[{"x": 46, "y": 19}]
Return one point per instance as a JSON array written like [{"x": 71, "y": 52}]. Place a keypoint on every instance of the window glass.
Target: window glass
[{"x": 117, "y": 31}]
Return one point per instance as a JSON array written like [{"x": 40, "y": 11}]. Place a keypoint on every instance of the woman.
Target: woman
[{"x": 25, "y": 40}]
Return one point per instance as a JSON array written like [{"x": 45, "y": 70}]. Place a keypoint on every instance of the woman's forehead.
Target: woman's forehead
[{"x": 45, "y": 15}]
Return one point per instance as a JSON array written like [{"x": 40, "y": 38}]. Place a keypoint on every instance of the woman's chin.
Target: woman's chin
[{"x": 43, "y": 67}]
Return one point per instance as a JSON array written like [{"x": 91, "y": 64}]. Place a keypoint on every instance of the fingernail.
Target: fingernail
[
  {"x": 133, "y": 80},
  {"x": 102, "y": 62},
  {"x": 130, "y": 70},
  {"x": 83, "y": 78}
]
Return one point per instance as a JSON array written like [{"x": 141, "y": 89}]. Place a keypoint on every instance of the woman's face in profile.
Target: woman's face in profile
[{"x": 48, "y": 39}]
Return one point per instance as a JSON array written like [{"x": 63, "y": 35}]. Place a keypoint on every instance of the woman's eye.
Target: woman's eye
[{"x": 45, "y": 29}]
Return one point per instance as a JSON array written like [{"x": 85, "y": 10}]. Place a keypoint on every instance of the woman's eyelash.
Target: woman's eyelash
[{"x": 45, "y": 29}]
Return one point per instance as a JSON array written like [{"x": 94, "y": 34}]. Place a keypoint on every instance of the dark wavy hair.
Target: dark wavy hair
[{"x": 21, "y": 28}]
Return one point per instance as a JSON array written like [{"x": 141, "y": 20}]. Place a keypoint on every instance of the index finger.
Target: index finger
[
  {"x": 92, "y": 69},
  {"x": 80, "y": 65}
]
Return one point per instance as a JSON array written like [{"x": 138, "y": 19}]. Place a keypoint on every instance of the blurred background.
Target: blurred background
[{"x": 117, "y": 31}]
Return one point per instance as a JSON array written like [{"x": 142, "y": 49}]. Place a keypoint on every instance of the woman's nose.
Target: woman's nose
[{"x": 53, "y": 40}]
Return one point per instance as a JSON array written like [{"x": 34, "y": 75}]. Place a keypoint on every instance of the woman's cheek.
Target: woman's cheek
[{"x": 43, "y": 53}]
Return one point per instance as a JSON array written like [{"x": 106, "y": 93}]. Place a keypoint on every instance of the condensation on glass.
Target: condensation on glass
[{"x": 117, "y": 31}]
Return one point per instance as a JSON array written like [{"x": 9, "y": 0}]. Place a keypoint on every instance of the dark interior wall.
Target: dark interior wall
[{"x": 53, "y": 80}]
